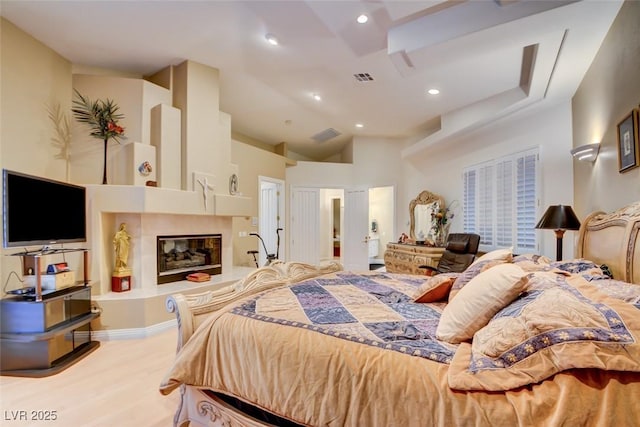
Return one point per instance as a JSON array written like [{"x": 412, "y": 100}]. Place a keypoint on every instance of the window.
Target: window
[{"x": 500, "y": 200}]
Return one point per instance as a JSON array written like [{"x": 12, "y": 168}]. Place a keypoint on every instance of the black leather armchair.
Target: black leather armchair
[{"x": 459, "y": 253}]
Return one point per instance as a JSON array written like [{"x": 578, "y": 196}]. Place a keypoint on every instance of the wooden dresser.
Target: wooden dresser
[{"x": 405, "y": 258}]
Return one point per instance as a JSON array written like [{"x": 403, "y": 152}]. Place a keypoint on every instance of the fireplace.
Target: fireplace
[{"x": 179, "y": 256}]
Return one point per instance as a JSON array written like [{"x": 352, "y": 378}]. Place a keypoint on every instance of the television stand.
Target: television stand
[
  {"x": 43, "y": 333},
  {"x": 33, "y": 261}
]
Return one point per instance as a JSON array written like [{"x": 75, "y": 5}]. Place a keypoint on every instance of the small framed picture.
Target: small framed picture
[{"x": 628, "y": 152}]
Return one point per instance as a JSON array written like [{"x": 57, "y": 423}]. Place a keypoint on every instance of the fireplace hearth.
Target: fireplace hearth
[{"x": 179, "y": 256}]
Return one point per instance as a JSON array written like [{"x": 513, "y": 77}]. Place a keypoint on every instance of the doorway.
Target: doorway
[
  {"x": 319, "y": 220},
  {"x": 270, "y": 215},
  {"x": 331, "y": 223},
  {"x": 382, "y": 220},
  {"x": 336, "y": 209},
  {"x": 368, "y": 228}
]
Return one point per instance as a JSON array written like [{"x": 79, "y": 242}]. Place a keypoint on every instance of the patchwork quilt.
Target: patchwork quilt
[
  {"x": 375, "y": 309},
  {"x": 353, "y": 349}
]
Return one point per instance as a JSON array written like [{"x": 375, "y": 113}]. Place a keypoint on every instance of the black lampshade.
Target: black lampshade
[{"x": 559, "y": 217}]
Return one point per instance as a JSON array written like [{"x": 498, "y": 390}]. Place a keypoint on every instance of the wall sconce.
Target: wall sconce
[{"x": 587, "y": 152}]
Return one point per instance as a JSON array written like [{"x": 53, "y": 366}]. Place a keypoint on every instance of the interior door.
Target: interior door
[
  {"x": 356, "y": 229},
  {"x": 270, "y": 215},
  {"x": 304, "y": 226}
]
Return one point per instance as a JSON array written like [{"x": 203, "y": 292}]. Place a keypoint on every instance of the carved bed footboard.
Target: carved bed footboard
[
  {"x": 613, "y": 239},
  {"x": 192, "y": 310},
  {"x": 198, "y": 408}
]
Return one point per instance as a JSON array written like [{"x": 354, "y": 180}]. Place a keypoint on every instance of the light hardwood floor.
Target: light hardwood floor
[{"x": 116, "y": 385}]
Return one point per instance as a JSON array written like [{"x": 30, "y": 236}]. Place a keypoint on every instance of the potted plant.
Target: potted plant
[{"x": 102, "y": 117}]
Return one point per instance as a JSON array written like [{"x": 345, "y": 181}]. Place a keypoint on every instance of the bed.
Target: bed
[{"x": 513, "y": 340}]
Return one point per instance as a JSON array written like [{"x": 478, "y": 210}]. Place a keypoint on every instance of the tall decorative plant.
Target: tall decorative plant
[{"x": 102, "y": 117}]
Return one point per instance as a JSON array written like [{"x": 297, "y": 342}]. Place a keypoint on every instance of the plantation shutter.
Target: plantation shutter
[
  {"x": 504, "y": 203},
  {"x": 485, "y": 205},
  {"x": 500, "y": 201},
  {"x": 469, "y": 201},
  {"x": 526, "y": 202}
]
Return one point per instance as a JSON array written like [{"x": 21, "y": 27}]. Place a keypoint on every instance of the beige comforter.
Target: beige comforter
[{"x": 317, "y": 378}]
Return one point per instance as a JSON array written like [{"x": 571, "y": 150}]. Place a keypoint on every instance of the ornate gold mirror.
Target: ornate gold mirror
[{"x": 420, "y": 210}]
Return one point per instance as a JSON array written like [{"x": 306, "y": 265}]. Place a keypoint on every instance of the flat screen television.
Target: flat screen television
[{"x": 40, "y": 211}]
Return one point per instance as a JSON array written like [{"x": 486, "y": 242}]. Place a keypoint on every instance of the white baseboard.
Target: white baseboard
[{"x": 132, "y": 333}]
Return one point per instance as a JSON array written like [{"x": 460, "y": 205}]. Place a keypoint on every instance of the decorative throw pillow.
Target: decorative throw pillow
[
  {"x": 479, "y": 301},
  {"x": 532, "y": 262},
  {"x": 505, "y": 255},
  {"x": 436, "y": 288},
  {"x": 585, "y": 268},
  {"x": 471, "y": 272},
  {"x": 549, "y": 329}
]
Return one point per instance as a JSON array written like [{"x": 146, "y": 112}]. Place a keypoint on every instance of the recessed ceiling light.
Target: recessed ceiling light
[
  {"x": 433, "y": 91},
  {"x": 271, "y": 39},
  {"x": 362, "y": 19},
  {"x": 359, "y": 125},
  {"x": 317, "y": 97}
]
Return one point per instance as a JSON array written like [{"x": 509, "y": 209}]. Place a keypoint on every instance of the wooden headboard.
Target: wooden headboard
[{"x": 613, "y": 239}]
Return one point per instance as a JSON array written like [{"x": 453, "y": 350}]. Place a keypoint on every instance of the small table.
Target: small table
[{"x": 406, "y": 258}]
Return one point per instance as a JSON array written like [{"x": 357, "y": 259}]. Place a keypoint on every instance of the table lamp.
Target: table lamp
[{"x": 559, "y": 218}]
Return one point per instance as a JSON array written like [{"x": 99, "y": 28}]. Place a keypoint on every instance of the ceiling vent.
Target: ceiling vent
[
  {"x": 363, "y": 77},
  {"x": 325, "y": 135}
]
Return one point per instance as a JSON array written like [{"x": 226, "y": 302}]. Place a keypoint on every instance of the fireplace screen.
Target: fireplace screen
[{"x": 179, "y": 256}]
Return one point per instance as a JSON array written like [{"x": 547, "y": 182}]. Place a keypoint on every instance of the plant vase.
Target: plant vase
[
  {"x": 442, "y": 234},
  {"x": 104, "y": 162}
]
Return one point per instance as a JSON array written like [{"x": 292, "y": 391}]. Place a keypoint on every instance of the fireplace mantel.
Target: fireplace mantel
[
  {"x": 149, "y": 212},
  {"x": 138, "y": 199}
]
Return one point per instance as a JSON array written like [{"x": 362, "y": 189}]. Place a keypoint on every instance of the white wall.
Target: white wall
[
  {"x": 607, "y": 93},
  {"x": 440, "y": 169}
]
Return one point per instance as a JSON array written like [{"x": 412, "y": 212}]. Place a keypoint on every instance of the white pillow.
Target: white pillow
[
  {"x": 478, "y": 301},
  {"x": 505, "y": 255}
]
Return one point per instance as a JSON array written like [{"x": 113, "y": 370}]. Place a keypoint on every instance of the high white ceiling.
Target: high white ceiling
[{"x": 489, "y": 58}]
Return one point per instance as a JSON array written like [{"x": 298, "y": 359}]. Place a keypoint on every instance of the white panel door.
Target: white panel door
[
  {"x": 271, "y": 207},
  {"x": 304, "y": 235},
  {"x": 356, "y": 229}
]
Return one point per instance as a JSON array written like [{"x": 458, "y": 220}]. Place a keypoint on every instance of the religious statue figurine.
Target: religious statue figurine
[{"x": 121, "y": 278}]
